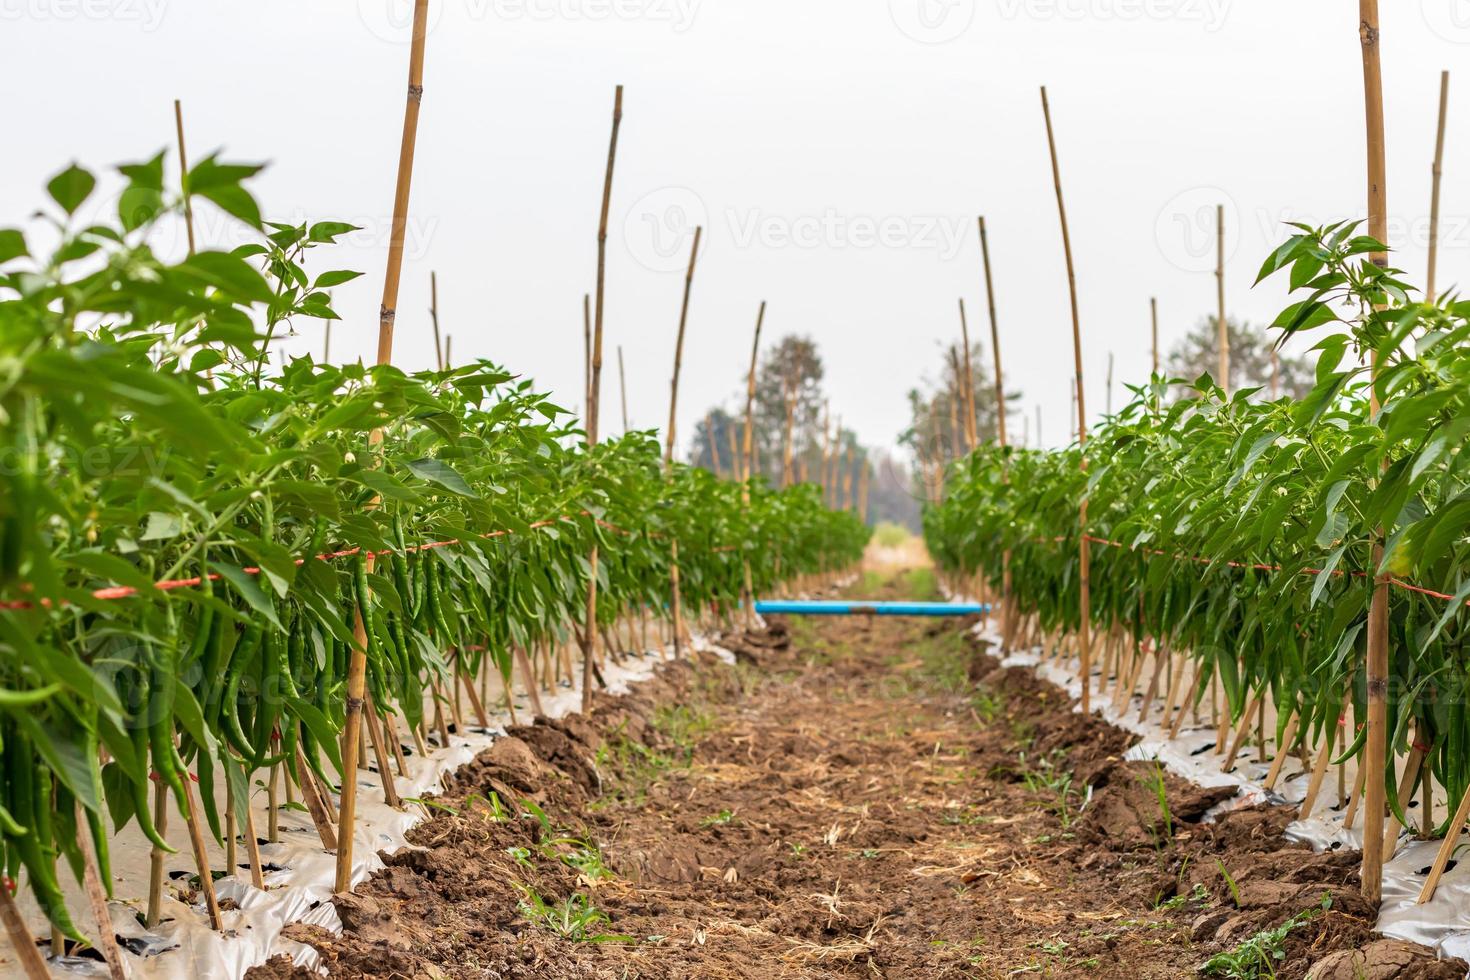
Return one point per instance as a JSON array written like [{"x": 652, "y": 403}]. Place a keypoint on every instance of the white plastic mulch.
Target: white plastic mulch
[{"x": 299, "y": 875}]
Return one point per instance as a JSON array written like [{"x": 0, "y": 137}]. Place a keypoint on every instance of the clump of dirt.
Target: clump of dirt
[{"x": 852, "y": 797}]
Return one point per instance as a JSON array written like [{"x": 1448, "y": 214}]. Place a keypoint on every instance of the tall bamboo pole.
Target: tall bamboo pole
[
  {"x": 589, "y": 648},
  {"x": 1153, "y": 311},
  {"x": 972, "y": 435},
  {"x": 1437, "y": 172},
  {"x": 160, "y": 801},
  {"x": 586, "y": 354},
  {"x": 958, "y": 435},
  {"x": 1084, "y": 638},
  {"x": 864, "y": 478},
  {"x": 434, "y": 318},
  {"x": 623, "y": 387},
  {"x": 1376, "y": 751},
  {"x": 675, "y": 603},
  {"x": 1220, "y": 297},
  {"x": 1108, "y": 388},
  {"x": 1007, "y": 606},
  {"x": 357, "y": 663},
  {"x": 755, "y": 348}
]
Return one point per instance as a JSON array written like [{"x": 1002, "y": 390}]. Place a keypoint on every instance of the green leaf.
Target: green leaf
[
  {"x": 439, "y": 472},
  {"x": 71, "y": 187},
  {"x": 228, "y": 273},
  {"x": 249, "y": 589},
  {"x": 12, "y": 244}
]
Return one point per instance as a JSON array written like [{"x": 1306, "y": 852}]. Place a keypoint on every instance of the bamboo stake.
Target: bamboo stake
[
  {"x": 1437, "y": 172},
  {"x": 863, "y": 492},
  {"x": 1319, "y": 771},
  {"x": 26, "y": 951},
  {"x": 972, "y": 434},
  {"x": 623, "y": 387},
  {"x": 530, "y": 677},
  {"x": 434, "y": 318},
  {"x": 1406, "y": 789},
  {"x": 380, "y": 753},
  {"x": 1241, "y": 730},
  {"x": 1000, "y": 398},
  {"x": 448, "y": 351},
  {"x": 184, "y": 170},
  {"x": 1376, "y": 750},
  {"x": 1153, "y": 309},
  {"x": 714, "y": 447},
  {"x": 675, "y": 600},
  {"x": 1274, "y": 773},
  {"x": 1224, "y": 331},
  {"x": 97, "y": 898},
  {"x": 734, "y": 449},
  {"x": 755, "y": 348},
  {"x": 314, "y": 801},
  {"x": 586, "y": 354},
  {"x": 957, "y": 438},
  {"x": 1446, "y": 849},
  {"x": 1084, "y": 638},
  {"x": 589, "y": 654},
  {"x": 357, "y": 663}
]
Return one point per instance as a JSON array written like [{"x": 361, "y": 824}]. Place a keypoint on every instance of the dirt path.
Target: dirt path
[{"x": 873, "y": 799}]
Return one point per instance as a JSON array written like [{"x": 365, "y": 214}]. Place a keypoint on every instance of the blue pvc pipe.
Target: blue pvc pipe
[{"x": 820, "y": 608}]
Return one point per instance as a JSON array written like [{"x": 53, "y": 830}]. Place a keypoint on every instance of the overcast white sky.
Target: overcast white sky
[{"x": 837, "y": 151}]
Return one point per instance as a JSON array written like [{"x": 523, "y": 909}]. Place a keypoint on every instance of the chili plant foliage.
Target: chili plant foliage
[
  {"x": 1241, "y": 531},
  {"x": 184, "y": 523}
]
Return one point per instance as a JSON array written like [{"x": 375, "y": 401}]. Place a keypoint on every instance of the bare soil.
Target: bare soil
[{"x": 868, "y": 798}]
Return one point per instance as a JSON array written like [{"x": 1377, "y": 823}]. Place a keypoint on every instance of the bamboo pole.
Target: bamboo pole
[
  {"x": 32, "y": 963},
  {"x": 957, "y": 438},
  {"x": 357, "y": 663},
  {"x": 1446, "y": 849},
  {"x": 972, "y": 434},
  {"x": 97, "y": 898},
  {"x": 623, "y": 387},
  {"x": 675, "y": 603},
  {"x": 589, "y": 652},
  {"x": 184, "y": 170},
  {"x": 434, "y": 318},
  {"x": 863, "y": 481},
  {"x": 755, "y": 347},
  {"x": 1084, "y": 638},
  {"x": 1376, "y": 750},
  {"x": 1224, "y": 331},
  {"x": 714, "y": 448},
  {"x": 1436, "y": 173},
  {"x": 1006, "y": 599},
  {"x": 1153, "y": 310},
  {"x": 734, "y": 449}
]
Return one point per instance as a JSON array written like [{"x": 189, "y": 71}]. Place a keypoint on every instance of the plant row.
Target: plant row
[
  {"x": 1250, "y": 533},
  {"x": 149, "y": 434}
]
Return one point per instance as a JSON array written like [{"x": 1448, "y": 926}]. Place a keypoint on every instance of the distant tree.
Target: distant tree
[
  {"x": 936, "y": 432},
  {"x": 1250, "y": 360}
]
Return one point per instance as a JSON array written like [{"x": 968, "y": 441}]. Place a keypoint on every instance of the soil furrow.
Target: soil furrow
[{"x": 864, "y": 797}]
